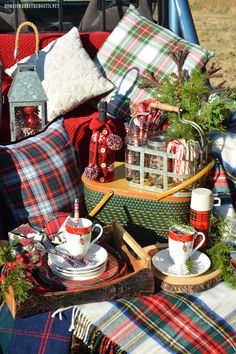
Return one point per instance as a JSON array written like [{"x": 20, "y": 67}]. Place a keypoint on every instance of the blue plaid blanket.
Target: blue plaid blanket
[{"x": 39, "y": 334}]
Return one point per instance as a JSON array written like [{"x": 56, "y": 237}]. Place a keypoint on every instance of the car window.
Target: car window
[
  {"x": 50, "y": 15},
  {"x": 6, "y": 6}
]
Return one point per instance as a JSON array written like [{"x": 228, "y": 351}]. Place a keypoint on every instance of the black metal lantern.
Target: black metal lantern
[{"x": 27, "y": 98}]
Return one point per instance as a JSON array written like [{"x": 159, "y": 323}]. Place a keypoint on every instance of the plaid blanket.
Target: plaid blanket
[
  {"x": 164, "y": 323},
  {"x": 203, "y": 323},
  {"x": 39, "y": 334},
  {"x": 217, "y": 180}
]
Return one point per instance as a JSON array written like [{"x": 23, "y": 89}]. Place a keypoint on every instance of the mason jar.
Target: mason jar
[{"x": 156, "y": 143}]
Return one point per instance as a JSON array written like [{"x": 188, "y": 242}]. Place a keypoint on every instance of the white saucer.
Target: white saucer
[
  {"x": 79, "y": 276},
  {"x": 75, "y": 271},
  {"x": 97, "y": 256},
  {"x": 163, "y": 262}
]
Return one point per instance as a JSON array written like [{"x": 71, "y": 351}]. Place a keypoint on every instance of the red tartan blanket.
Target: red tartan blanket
[{"x": 164, "y": 323}]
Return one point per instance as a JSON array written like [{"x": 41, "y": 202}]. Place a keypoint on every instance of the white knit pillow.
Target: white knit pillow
[{"x": 67, "y": 73}]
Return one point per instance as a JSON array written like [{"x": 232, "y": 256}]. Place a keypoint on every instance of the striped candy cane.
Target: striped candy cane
[
  {"x": 186, "y": 152},
  {"x": 76, "y": 211}
]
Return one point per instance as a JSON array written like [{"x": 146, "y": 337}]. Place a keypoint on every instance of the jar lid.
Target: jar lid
[{"x": 157, "y": 141}]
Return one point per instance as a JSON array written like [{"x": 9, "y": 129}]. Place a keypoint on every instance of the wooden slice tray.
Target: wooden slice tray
[{"x": 174, "y": 284}]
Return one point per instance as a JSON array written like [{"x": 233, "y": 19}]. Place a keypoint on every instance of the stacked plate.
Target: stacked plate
[{"x": 93, "y": 265}]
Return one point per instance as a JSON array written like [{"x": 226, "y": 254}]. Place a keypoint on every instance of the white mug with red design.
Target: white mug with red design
[
  {"x": 181, "y": 242},
  {"x": 78, "y": 236}
]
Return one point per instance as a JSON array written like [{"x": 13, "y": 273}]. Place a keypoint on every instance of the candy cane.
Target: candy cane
[
  {"x": 178, "y": 147},
  {"x": 136, "y": 137},
  {"x": 186, "y": 152},
  {"x": 76, "y": 211}
]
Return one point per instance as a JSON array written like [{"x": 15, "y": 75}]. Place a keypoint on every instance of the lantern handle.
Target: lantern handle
[{"x": 30, "y": 24}]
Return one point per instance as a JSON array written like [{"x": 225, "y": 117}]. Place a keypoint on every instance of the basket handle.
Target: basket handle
[
  {"x": 177, "y": 109},
  {"x": 165, "y": 107},
  {"x": 162, "y": 195},
  {"x": 189, "y": 181},
  {"x": 100, "y": 204},
  {"x": 23, "y": 24}
]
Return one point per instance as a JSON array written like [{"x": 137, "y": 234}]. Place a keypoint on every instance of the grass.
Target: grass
[{"x": 216, "y": 28}]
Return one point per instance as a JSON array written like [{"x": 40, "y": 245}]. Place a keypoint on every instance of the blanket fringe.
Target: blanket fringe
[
  {"x": 100, "y": 343},
  {"x": 85, "y": 331}
]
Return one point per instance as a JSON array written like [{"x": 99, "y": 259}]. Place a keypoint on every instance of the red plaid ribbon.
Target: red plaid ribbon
[
  {"x": 29, "y": 261},
  {"x": 201, "y": 221}
]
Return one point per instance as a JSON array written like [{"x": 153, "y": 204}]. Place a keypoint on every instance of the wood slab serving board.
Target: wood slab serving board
[{"x": 174, "y": 284}]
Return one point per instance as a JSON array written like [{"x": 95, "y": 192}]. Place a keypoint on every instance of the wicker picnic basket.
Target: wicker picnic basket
[
  {"x": 146, "y": 215},
  {"x": 145, "y": 212}
]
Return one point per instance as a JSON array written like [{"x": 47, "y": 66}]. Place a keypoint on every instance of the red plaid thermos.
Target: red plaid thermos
[{"x": 200, "y": 212}]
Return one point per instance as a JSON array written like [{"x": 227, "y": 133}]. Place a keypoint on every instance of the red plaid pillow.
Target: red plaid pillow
[{"x": 39, "y": 176}]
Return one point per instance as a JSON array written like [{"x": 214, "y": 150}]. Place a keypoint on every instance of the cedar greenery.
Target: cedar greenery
[
  {"x": 193, "y": 96},
  {"x": 219, "y": 253},
  {"x": 181, "y": 227},
  {"x": 207, "y": 106},
  {"x": 190, "y": 266},
  {"x": 16, "y": 277}
]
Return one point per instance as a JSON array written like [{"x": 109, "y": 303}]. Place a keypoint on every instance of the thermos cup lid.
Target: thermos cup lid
[{"x": 201, "y": 199}]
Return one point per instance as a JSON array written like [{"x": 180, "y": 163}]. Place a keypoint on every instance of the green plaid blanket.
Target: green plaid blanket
[{"x": 137, "y": 44}]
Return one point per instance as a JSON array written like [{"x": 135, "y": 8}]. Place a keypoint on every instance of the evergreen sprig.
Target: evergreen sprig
[
  {"x": 220, "y": 258},
  {"x": 16, "y": 277},
  {"x": 219, "y": 253},
  {"x": 210, "y": 107},
  {"x": 190, "y": 265},
  {"x": 20, "y": 284},
  {"x": 198, "y": 102}
]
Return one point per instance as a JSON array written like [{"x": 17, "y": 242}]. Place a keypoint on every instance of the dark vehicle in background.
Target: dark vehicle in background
[
  {"x": 61, "y": 15},
  {"x": 52, "y": 15}
]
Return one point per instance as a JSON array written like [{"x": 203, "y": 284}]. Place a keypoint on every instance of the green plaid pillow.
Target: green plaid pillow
[{"x": 137, "y": 44}]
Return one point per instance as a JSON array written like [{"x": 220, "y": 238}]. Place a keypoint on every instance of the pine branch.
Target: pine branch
[{"x": 16, "y": 277}]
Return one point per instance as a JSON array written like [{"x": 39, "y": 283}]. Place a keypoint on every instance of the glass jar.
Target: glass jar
[
  {"x": 132, "y": 158},
  {"x": 156, "y": 143}
]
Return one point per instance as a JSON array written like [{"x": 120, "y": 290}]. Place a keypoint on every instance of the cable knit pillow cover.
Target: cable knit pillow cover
[
  {"x": 39, "y": 175},
  {"x": 137, "y": 44},
  {"x": 67, "y": 73}
]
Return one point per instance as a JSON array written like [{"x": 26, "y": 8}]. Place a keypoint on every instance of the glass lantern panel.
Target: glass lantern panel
[
  {"x": 136, "y": 177},
  {"x": 28, "y": 120},
  {"x": 156, "y": 163},
  {"x": 132, "y": 158}
]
